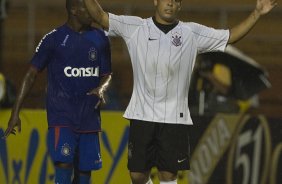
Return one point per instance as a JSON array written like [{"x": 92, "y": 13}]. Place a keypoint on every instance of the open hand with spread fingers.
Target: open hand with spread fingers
[
  {"x": 99, "y": 92},
  {"x": 13, "y": 123},
  {"x": 264, "y": 6}
]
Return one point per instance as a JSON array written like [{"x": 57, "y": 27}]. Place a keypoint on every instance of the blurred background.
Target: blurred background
[{"x": 25, "y": 22}]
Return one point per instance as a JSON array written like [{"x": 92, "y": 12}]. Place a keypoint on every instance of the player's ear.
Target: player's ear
[
  {"x": 179, "y": 7},
  {"x": 180, "y": 4},
  {"x": 73, "y": 10},
  {"x": 155, "y": 2}
]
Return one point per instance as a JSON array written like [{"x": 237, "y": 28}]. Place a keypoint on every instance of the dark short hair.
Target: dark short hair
[
  {"x": 70, "y": 4},
  {"x": 73, "y": 3}
]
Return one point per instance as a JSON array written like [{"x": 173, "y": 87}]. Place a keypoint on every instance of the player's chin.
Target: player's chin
[
  {"x": 87, "y": 22},
  {"x": 168, "y": 17}
]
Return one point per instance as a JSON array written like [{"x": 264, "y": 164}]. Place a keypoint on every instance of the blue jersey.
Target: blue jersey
[{"x": 75, "y": 63}]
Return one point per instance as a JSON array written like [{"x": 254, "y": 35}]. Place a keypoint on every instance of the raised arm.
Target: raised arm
[
  {"x": 239, "y": 31},
  {"x": 97, "y": 13}
]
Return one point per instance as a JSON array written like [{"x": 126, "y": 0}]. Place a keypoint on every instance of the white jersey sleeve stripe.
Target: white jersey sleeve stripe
[
  {"x": 144, "y": 84},
  {"x": 136, "y": 72}
]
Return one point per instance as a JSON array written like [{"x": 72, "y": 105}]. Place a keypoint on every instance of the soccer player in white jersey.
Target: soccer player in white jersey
[{"x": 163, "y": 51}]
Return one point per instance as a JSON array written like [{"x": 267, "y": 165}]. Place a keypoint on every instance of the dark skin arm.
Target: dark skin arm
[
  {"x": 101, "y": 89},
  {"x": 26, "y": 85}
]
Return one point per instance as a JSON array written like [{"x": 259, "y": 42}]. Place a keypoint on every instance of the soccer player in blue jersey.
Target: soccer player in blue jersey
[{"x": 78, "y": 61}]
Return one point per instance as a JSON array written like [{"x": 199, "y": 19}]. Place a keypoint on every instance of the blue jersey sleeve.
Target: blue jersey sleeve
[
  {"x": 43, "y": 51},
  {"x": 106, "y": 64}
]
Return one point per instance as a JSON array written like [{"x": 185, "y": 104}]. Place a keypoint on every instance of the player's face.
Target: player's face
[
  {"x": 82, "y": 15},
  {"x": 167, "y": 10}
]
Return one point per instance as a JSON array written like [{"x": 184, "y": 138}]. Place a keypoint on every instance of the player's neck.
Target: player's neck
[
  {"x": 164, "y": 27},
  {"x": 76, "y": 26}
]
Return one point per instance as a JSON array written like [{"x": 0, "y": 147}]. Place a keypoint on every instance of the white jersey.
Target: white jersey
[{"x": 163, "y": 64}]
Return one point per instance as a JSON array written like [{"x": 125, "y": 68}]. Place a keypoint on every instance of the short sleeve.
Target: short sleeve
[
  {"x": 124, "y": 26},
  {"x": 106, "y": 65},
  {"x": 43, "y": 51},
  {"x": 210, "y": 39}
]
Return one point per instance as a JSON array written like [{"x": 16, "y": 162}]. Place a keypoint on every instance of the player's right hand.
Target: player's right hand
[
  {"x": 99, "y": 92},
  {"x": 12, "y": 124},
  {"x": 264, "y": 6}
]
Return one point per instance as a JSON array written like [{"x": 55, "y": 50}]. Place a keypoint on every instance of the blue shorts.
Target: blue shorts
[{"x": 66, "y": 145}]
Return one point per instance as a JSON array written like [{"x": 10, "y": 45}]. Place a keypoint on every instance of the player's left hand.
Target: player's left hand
[
  {"x": 99, "y": 92},
  {"x": 264, "y": 6}
]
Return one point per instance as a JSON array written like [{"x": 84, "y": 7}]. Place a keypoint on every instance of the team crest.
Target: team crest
[
  {"x": 99, "y": 160},
  {"x": 176, "y": 39},
  {"x": 92, "y": 54},
  {"x": 66, "y": 150}
]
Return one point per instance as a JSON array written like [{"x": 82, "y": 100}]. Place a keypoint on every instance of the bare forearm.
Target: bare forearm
[
  {"x": 97, "y": 13},
  {"x": 24, "y": 89},
  {"x": 262, "y": 7},
  {"x": 239, "y": 31}
]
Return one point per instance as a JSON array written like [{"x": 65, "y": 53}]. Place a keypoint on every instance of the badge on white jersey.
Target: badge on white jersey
[{"x": 176, "y": 39}]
